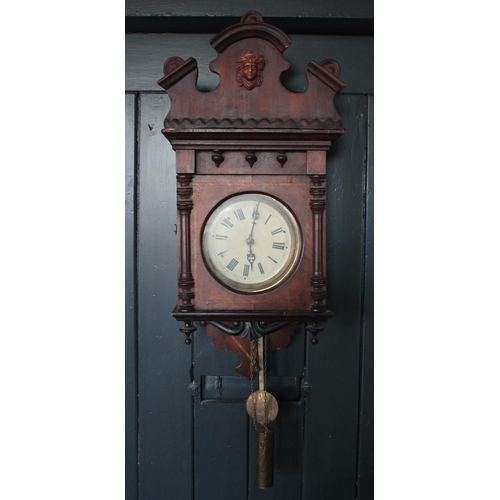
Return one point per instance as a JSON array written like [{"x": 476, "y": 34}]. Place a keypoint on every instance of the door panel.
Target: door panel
[
  {"x": 130, "y": 303},
  {"x": 333, "y": 365},
  {"x": 195, "y": 439},
  {"x": 220, "y": 451},
  {"x": 298, "y": 8},
  {"x": 288, "y": 430},
  {"x": 365, "y": 466},
  {"x": 164, "y": 361}
]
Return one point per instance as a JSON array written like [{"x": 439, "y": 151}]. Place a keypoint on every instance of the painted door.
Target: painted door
[{"x": 188, "y": 433}]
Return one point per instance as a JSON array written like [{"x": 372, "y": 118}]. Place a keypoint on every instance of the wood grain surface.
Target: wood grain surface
[
  {"x": 131, "y": 431},
  {"x": 366, "y": 410},
  {"x": 165, "y": 404},
  {"x": 331, "y": 422},
  {"x": 208, "y": 192},
  {"x": 292, "y": 8}
]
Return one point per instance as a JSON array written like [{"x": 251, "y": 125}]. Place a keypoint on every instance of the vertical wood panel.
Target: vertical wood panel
[
  {"x": 299, "y": 8},
  {"x": 333, "y": 365},
  {"x": 289, "y": 361},
  {"x": 165, "y": 404},
  {"x": 130, "y": 305},
  {"x": 221, "y": 431},
  {"x": 365, "y": 448}
]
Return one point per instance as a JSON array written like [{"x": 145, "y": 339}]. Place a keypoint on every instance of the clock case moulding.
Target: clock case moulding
[{"x": 251, "y": 135}]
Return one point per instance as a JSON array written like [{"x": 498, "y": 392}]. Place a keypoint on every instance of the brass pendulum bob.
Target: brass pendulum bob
[{"x": 263, "y": 408}]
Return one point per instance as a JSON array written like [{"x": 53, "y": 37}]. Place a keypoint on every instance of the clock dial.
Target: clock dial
[{"x": 251, "y": 243}]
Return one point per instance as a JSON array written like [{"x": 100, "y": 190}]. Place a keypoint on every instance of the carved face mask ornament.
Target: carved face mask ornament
[{"x": 250, "y": 67}]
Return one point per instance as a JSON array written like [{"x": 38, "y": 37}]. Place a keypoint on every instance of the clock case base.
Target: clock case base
[{"x": 251, "y": 324}]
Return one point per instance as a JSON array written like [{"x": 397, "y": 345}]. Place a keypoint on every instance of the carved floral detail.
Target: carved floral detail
[{"x": 250, "y": 67}]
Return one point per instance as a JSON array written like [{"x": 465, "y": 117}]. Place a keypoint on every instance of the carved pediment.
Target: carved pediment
[{"x": 250, "y": 94}]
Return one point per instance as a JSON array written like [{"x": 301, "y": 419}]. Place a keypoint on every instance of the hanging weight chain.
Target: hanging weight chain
[
  {"x": 263, "y": 408},
  {"x": 254, "y": 368},
  {"x": 264, "y": 363},
  {"x": 264, "y": 464}
]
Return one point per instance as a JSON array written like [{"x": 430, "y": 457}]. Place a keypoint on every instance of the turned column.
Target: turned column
[
  {"x": 318, "y": 204},
  {"x": 184, "y": 206}
]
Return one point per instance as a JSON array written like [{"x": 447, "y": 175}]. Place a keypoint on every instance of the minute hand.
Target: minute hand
[
  {"x": 255, "y": 216},
  {"x": 250, "y": 241}
]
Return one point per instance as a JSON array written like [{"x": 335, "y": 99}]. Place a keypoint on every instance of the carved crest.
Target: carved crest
[
  {"x": 243, "y": 51},
  {"x": 250, "y": 67}
]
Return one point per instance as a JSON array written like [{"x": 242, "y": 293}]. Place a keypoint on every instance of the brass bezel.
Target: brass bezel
[{"x": 295, "y": 240}]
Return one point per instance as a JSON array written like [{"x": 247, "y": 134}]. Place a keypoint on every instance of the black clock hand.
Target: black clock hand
[
  {"x": 255, "y": 216},
  {"x": 250, "y": 241}
]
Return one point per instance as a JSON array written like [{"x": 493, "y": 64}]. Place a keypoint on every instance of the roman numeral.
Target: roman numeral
[
  {"x": 268, "y": 219},
  {"x": 279, "y": 246},
  {"x": 232, "y": 264},
  {"x": 227, "y": 223},
  {"x": 260, "y": 268},
  {"x": 220, "y": 237},
  {"x": 272, "y": 259},
  {"x": 277, "y": 231},
  {"x": 239, "y": 214},
  {"x": 246, "y": 269}
]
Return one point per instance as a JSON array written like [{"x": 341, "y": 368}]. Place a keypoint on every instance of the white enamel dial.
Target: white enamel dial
[{"x": 251, "y": 242}]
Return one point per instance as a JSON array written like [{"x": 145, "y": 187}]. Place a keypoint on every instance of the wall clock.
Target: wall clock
[
  {"x": 251, "y": 197},
  {"x": 251, "y": 243}
]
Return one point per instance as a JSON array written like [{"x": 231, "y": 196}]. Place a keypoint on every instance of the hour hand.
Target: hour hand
[{"x": 251, "y": 258}]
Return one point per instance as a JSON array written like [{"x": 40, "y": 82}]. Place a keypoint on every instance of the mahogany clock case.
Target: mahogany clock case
[
  {"x": 209, "y": 191},
  {"x": 251, "y": 134}
]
